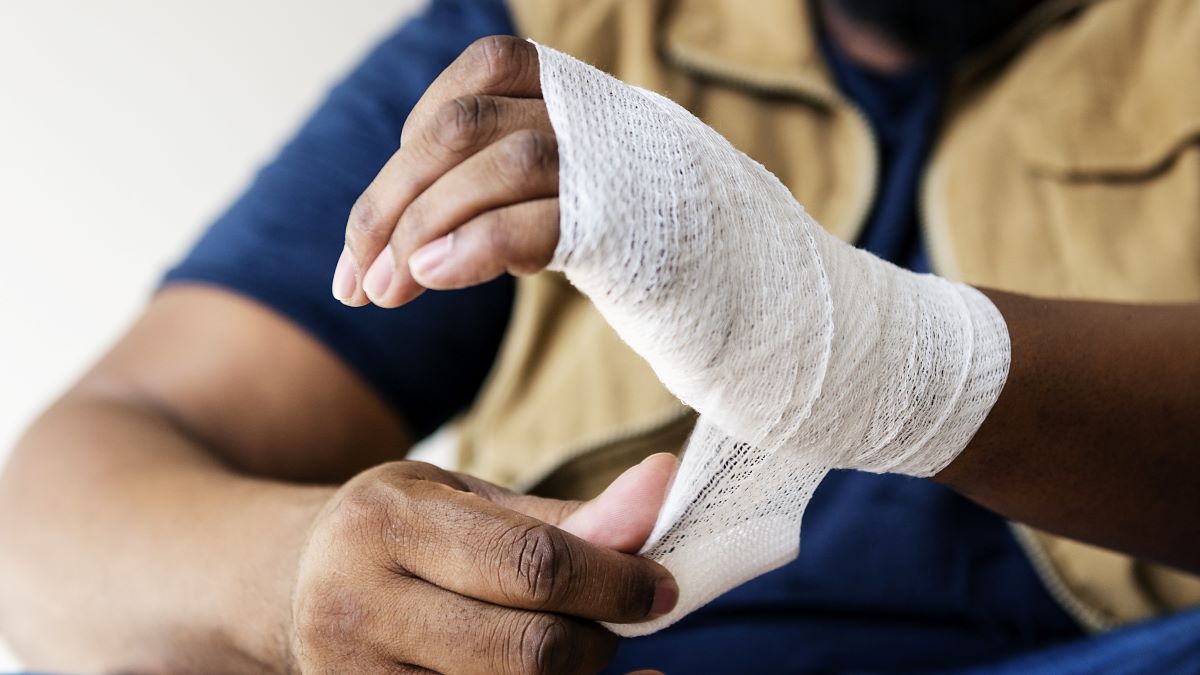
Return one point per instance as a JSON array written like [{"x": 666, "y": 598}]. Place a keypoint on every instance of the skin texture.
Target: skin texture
[
  {"x": 456, "y": 575},
  {"x": 478, "y": 159},
  {"x": 1095, "y": 434},
  {"x": 170, "y": 514},
  {"x": 148, "y": 474}
]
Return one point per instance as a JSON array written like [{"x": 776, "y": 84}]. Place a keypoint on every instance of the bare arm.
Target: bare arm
[
  {"x": 1096, "y": 435},
  {"x": 131, "y": 520},
  {"x": 143, "y": 533}
]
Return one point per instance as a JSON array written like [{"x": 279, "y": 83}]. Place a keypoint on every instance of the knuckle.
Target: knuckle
[
  {"x": 365, "y": 217},
  {"x": 536, "y": 563},
  {"x": 499, "y": 236},
  {"x": 362, "y": 505},
  {"x": 545, "y": 646},
  {"x": 329, "y": 614},
  {"x": 498, "y": 59},
  {"x": 368, "y": 519},
  {"x": 529, "y": 152},
  {"x": 464, "y": 122},
  {"x": 412, "y": 223}
]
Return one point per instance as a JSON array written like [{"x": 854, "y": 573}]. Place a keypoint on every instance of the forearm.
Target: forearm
[
  {"x": 127, "y": 546},
  {"x": 1097, "y": 431}
]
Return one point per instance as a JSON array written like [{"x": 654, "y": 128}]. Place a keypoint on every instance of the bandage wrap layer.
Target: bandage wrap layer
[{"x": 801, "y": 353}]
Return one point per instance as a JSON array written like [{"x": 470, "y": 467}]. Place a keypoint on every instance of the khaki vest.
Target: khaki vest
[{"x": 1067, "y": 165}]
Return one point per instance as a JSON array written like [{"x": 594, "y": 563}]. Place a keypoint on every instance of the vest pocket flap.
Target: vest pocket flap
[
  {"x": 1075, "y": 147},
  {"x": 1122, "y": 107}
]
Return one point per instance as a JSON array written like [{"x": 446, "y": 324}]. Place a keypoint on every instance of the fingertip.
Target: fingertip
[
  {"x": 427, "y": 263},
  {"x": 345, "y": 278},
  {"x": 661, "y": 466},
  {"x": 460, "y": 259},
  {"x": 403, "y": 291},
  {"x": 388, "y": 285},
  {"x": 666, "y": 596},
  {"x": 356, "y": 301},
  {"x": 378, "y": 279},
  {"x": 652, "y": 478}
]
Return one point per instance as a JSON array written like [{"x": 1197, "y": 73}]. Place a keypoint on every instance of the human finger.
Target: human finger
[
  {"x": 520, "y": 167},
  {"x": 467, "y": 544},
  {"x": 497, "y": 65},
  {"x": 461, "y": 127},
  {"x": 620, "y": 518},
  {"x": 519, "y": 239}
]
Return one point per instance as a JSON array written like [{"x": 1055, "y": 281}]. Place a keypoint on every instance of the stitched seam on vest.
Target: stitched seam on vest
[{"x": 1091, "y": 618}]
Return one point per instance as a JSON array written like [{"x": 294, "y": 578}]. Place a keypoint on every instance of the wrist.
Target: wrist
[
  {"x": 939, "y": 359},
  {"x": 256, "y": 618}
]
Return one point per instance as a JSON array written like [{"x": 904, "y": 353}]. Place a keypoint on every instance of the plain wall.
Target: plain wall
[{"x": 126, "y": 125}]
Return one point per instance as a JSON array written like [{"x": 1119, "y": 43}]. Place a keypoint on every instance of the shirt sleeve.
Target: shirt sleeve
[{"x": 279, "y": 241}]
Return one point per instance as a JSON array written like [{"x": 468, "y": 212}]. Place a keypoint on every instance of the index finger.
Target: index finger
[
  {"x": 499, "y": 65},
  {"x": 469, "y": 545}
]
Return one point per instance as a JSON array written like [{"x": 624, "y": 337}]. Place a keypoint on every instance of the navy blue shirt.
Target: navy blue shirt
[
  {"x": 902, "y": 110},
  {"x": 279, "y": 242},
  {"x": 895, "y": 574}
]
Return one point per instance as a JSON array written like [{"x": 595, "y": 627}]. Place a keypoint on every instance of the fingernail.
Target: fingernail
[
  {"x": 379, "y": 275},
  {"x": 343, "y": 277},
  {"x": 666, "y": 595},
  {"x": 656, "y": 455},
  {"x": 427, "y": 258}
]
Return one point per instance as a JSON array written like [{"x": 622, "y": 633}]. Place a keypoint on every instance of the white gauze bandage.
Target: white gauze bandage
[{"x": 800, "y": 352}]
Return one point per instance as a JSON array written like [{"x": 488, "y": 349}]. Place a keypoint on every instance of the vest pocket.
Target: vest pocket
[
  {"x": 1105, "y": 122},
  {"x": 1127, "y": 212}
]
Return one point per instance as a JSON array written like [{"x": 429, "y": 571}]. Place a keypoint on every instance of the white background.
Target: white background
[{"x": 125, "y": 125}]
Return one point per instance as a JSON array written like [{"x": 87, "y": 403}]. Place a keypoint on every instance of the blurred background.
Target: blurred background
[{"x": 125, "y": 126}]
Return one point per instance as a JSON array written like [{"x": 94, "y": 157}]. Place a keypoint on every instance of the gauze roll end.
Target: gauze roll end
[{"x": 705, "y": 536}]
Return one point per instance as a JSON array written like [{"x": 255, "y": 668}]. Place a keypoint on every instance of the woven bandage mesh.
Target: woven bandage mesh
[{"x": 801, "y": 353}]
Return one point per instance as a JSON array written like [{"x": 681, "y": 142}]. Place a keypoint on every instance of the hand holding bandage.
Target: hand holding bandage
[{"x": 800, "y": 352}]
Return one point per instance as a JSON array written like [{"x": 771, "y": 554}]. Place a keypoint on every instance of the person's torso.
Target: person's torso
[{"x": 1013, "y": 198}]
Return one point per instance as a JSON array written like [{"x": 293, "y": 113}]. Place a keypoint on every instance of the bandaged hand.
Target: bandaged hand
[{"x": 801, "y": 353}]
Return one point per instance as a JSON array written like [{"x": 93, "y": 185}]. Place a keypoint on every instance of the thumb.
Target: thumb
[{"x": 622, "y": 517}]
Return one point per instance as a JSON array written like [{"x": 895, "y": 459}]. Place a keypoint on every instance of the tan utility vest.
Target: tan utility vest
[{"x": 1067, "y": 165}]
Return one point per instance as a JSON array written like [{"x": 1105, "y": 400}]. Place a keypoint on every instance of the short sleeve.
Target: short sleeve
[{"x": 279, "y": 241}]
